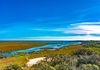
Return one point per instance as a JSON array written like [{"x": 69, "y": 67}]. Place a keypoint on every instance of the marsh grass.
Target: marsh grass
[
  {"x": 67, "y": 50},
  {"x": 21, "y": 59},
  {"x": 13, "y": 46},
  {"x": 76, "y": 50}
]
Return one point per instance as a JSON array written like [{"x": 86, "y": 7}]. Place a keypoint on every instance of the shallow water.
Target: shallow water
[{"x": 36, "y": 49}]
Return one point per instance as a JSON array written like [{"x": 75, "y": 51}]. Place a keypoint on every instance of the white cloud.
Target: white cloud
[
  {"x": 86, "y": 23},
  {"x": 86, "y": 28},
  {"x": 58, "y": 38},
  {"x": 74, "y": 31},
  {"x": 78, "y": 28},
  {"x": 86, "y": 37},
  {"x": 92, "y": 29},
  {"x": 82, "y": 28}
]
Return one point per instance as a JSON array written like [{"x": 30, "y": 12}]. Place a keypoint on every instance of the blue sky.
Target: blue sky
[{"x": 49, "y": 19}]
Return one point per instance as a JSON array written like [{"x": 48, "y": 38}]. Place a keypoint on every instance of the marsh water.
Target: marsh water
[{"x": 36, "y": 49}]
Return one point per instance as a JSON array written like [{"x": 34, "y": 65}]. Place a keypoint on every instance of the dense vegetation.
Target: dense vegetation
[
  {"x": 85, "y": 58},
  {"x": 21, "y": 59},
  {"x": 79, "y": 60},
  {"x": 74, "y": 57},
  {"x": 91, "y": 44}
]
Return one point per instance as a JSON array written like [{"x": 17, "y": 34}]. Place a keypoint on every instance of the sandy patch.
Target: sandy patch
[{"x": 34, "y": 61}]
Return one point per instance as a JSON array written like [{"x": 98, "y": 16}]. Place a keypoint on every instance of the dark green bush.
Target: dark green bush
[
  {"x": 55, "y": 59},
  {"x": 91, "y": 44},
  {"x": 83, "y": 59},
  {"x": 89, "y": 67},
  {"x": 83, "y": 52},
  {"x": 45, "y": 66},
  {"x": 13, "y": 67}
]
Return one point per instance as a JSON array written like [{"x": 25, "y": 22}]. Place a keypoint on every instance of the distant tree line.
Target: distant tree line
[{"x": 91, "y": 44}]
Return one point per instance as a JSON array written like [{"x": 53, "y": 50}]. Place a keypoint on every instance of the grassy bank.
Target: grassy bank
[{"x": 12, "y": 46}]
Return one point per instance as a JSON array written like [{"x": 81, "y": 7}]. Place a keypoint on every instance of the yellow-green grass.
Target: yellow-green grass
[
  {"x": 94, "y": 49},
  {"x": 12, "y": 46},
  {"x": 67, "y": 50},
  {"x": 22, "y": 59}
]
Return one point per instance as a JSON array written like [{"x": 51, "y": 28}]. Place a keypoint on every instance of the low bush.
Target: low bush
[
  {"x": 13, "y": 67},
  {"x": 80, "y": 60},
  {"x": 91, "y": 44}
]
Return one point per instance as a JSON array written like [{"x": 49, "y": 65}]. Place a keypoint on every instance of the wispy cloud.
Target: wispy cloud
[
  {"x": 86, "y": 37},
  {"x": 78, "y": 28},
  {"x": 87, "y": 28},
  {"x": 86, "y": 23}
]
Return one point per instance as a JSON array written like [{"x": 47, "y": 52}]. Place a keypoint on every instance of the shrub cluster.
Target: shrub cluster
[
  {"x": 80, "y": 60},
  {"x": 91, "y": 44},
  {"x": 13, "y": 67}
]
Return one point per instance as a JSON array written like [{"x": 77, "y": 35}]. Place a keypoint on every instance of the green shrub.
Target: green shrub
[
  {"x": 45, "y": 66},
  {"x": 61, "y": 66},
  {"x": 77, "y": 61},
  {"x": 83, "y": 52},
  {"x": 13, "y": 67},
  {"x": 56, "y": 59},
  {"x": 89, "y": 67},
  {"x": 91, "y": 44}
]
